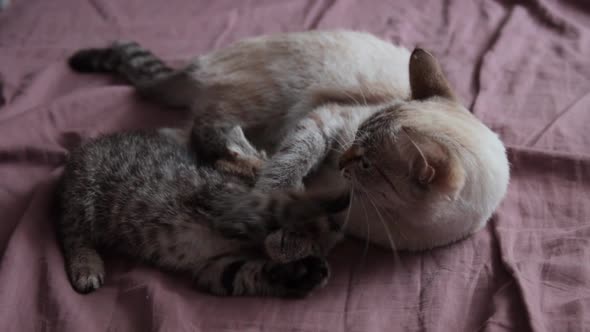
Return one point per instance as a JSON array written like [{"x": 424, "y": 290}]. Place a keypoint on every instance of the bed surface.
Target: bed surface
[{"x": 523, "y": 67}]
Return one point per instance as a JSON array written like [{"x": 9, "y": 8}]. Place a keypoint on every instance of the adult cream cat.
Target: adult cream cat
[{"x": 425, "y": 171}]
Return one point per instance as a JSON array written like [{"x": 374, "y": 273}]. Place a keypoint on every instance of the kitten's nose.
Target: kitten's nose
[{"x": 352, "y": 155}]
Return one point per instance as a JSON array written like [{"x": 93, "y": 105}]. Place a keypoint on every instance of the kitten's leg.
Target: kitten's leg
[
  {"x": 84, "y": 266},
  {"x": 241, "y": 275},
  {"x": 241, "y": 271},
  {"x": 152, "y": 78}
]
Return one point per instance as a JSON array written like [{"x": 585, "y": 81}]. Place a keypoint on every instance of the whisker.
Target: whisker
[
  {"x": 363, "y": 95},
  {"x": 339, "y": 143},
  {"x": 336, "y": 145},
  {"x": 395, "y": 221},
  {"x": 356, "y": 185},
  {"x": 347, "y": 218},
  {"x": 351, "y": 97},
  {"x": 348, "y": 141},
  {"x": 397, "y": 258},
  {"x": 343, "y": 144},
  {"x": 366, "y": 248},
  {"x": 387, "y": 179},
  {"x": 386, "y": 228},
  {"x": 335, "y": 150},
  {"x": 345, "y": 141},
  {"x": 387, "y": 231}
]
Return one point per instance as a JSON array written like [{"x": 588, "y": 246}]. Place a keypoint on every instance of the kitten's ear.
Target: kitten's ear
[
  {"x": 427, "y": 78},
  {"x": 434, "y": 167}
]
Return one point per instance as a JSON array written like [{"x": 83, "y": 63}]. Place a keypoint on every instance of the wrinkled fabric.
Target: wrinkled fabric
[{"x": 522, "y": 66}]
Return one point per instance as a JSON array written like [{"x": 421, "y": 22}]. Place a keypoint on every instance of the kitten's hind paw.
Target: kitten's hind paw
[
  {"x": 298, "y": 279},
  {"x": 85, "y": 269},
  {"x": 87, "y": 279}
]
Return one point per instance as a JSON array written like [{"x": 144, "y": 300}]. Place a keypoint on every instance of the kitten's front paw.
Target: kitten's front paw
[
  {"x": 299, "y": 278},
  {"x": 240, "y": 166},
  {"x": 87, "y": 279},
  {"x": 283, "y": 247}
]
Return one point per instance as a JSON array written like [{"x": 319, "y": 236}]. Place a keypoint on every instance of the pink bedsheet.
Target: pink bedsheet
[{"x": 524, "y": 67}]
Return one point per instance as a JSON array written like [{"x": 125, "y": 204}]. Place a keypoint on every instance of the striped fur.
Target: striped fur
[
  {"x": 144, "y": 195},
  {"x": 128, "y": 59}
]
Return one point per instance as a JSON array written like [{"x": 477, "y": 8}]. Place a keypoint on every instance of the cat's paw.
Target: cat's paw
[
  {"x": 298, "y": 279},
  {"x": 283, "y": 247},
  {"x": 87, "y": 279}
]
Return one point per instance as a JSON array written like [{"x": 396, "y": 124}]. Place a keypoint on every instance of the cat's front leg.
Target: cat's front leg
[
  {"x": 300, "y": 152},
  {"x": 255, "y": 214}
]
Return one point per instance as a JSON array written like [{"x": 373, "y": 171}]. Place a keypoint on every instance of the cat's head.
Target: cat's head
[{"x": 427, "y": 149}]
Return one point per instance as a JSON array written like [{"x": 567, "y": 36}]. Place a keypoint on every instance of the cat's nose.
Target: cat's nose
[{"x": 350, "y": 156}]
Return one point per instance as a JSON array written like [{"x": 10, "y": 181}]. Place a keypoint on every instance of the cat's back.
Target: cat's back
[{"x": 294, "y": 62}]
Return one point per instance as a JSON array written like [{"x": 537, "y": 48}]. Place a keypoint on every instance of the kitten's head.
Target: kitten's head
[{"x": 429, "y": 149}]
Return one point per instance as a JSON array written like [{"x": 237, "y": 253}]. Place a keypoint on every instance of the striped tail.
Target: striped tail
[{"x": 128, "y": 59}]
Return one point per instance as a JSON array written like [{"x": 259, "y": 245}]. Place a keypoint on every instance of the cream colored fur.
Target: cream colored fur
[
  {"x": 388, "y": 221},
  {"x": 275, "y": 78}
]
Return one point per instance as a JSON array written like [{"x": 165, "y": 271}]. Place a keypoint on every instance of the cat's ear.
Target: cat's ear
[
  {"x": 427, "y": 78},
  {"x": 432, "y": 166}
]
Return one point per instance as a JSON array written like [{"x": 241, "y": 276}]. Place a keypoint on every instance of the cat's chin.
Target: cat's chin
[
  {"x": 382, "y": 241},
  {"x": 386, "y": 230}
]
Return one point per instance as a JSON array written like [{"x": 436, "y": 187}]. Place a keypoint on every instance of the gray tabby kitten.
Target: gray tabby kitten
[{"x": 146, "y": 194}]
